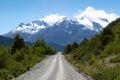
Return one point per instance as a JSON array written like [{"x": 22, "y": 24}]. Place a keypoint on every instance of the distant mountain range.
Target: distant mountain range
[
  {"x": 5, "y": 41},
  {"x": 63, "y": 31}
]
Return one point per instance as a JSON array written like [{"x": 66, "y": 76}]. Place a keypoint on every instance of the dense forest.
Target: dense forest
[
  {"x": 98, "y": 57},
  {"x": 19, "y": 57}
]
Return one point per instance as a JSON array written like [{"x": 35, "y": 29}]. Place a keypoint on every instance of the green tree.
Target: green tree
[
  {"x": 68, "y": 49},
  {"x": 50, "y": 50},
  {"x": 41, "y": 48},
  {"x": 85, "y": 40},
  {"x": 3, "y": 57},
  {"x": 40, "y": 42},
  {"x": 18, "y": 43},
  {"x": 19, "y": 55},
  {"x": 75, "y": 45},
  {"x": 107, "y": 36},
  {"x": 117, "y": 32}
]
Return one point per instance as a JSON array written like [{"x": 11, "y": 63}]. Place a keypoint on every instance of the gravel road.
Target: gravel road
[{"x": 53, "y": 68}]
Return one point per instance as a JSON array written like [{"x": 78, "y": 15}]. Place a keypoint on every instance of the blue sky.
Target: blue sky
[{"x": 13, "y": 12}]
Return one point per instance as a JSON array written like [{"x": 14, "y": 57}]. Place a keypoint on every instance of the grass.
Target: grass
[{"x": 96, "y": 71}]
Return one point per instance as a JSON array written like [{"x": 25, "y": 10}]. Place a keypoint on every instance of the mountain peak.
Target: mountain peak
[
  {"x": 31, "y": 28},
  {"x": 66, "y": 21},
  {"x": 90, "y": 18},
  {"x": 89, "y": 8},
  {"x": 63, "y": 19},
  {"x": 92, "y": 15},
  {"x": 52, "y": 18}
]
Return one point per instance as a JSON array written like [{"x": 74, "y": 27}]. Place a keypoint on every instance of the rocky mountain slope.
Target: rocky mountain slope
[{"x": 62, "y": 30}]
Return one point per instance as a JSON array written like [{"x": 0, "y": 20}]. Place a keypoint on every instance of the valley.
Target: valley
[{"x": 49, "y": 40}]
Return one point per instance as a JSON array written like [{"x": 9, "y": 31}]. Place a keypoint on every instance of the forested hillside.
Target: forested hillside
[
  {"x": 19, "y": 57},
  {"x": 98, "y": 57}
]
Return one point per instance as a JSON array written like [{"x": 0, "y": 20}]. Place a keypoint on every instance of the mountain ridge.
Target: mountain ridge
[
  {"x": 64, "y": 30},
  {"x": 86, "y": 18},
  {"x": 5, "y": 41}
]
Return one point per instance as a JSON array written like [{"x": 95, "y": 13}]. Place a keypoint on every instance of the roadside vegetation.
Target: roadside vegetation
[
  {"x": 19, "y": 57},
  {"x": 98, "y": 57}
]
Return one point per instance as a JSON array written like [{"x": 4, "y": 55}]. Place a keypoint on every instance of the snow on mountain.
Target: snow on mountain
[
  {"x": 31, "y": 28},
  {"x": 91, "y": 15},
  {"x": 60, "y": 21},
  {"x": 62, "y": 30},
  {"x": 67, "y": 21},
  {"x": 52, "y": 18},
  {"x": 90, "y": 18},
  {"x": 40, "y": 24}
]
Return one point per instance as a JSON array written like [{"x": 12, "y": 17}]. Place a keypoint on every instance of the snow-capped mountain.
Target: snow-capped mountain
[
  {"x": 31, "y": 28},
  {"x": 61, "y": 30},
  {"x": 52, "y": 18},
  {"x": 91, "y": 16},
  {"x": 92, "y": 19}
]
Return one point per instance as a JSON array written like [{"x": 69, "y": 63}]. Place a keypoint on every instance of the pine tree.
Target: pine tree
[
  {"x": 40, "y": 42},
  {"x": 68, "y": 49},
  {"x": 107, "y": 36},
  {"x": 75, "y": 45},
  {"x": 85, "y": 40},
  {"x": 3, "y": 57},
  {"x": 18, "y": 43}
]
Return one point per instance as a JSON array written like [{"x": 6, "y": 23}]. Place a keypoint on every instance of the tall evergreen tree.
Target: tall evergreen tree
[
  {"x": 68, "y": 49},
  {"x": 3, "y": 56},
  {"x": 75, "y": 45},
  {"x": 107, "y": 36},
  {"x": 18, "y": 43},
  {"x": 85, "y": 40}
]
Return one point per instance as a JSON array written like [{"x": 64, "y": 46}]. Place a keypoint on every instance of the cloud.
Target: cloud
[{"x": 52, "y": 18}]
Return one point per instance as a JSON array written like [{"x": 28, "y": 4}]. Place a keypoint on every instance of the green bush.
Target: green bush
[
  {"x": 4, "y": 74},
  {"x": 3, "y": 57},
  {"x": 107, "y": 73},
  {"x": 89, "y": 54},
  {"x": 20, "y": 57}
]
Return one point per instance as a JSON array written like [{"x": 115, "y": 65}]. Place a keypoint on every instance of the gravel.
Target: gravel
[{"x": 53, "y": 68}]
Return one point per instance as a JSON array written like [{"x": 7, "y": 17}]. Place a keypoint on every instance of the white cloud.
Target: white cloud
[
  {"x": 52, "y": 18},
  {"x": 91, "y": 14}
]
